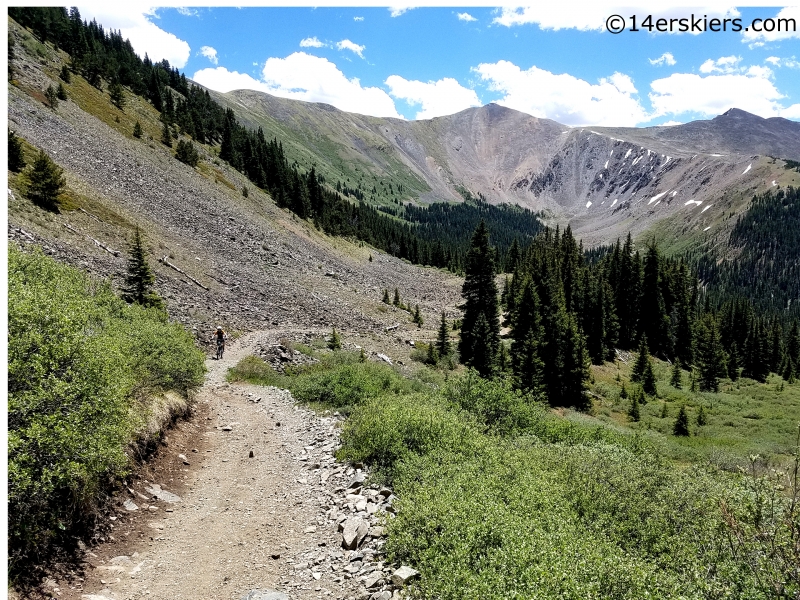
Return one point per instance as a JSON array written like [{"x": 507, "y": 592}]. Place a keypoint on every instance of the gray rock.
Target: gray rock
[
  {"x": 357, "y": 481},
  {"x": 385, "y": 595},
  {"x": 130, "y": 505},
  {"x": 265, "y": 595},
  {"x": 373, "y": 580},
  {"x": 163, "y": 495},
  {"x": 403, "y": 575},
  {"x": 355, "y": 529}
]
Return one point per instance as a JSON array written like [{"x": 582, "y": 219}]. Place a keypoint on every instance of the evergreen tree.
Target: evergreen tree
[
  {"x": 793, "y": 352},
  {"x": 16, "y": 160},
  {"x": 117, "y": 94},
  {"x": 633, "y": 411},
  {"x": 649, "y": 379},
  {"x": 386, "y": 296},
  {"x": 677, "y": 372},
  {"x": 51, "y": 95},
  {"x": 733, "y": 362},
  {"x": 576, "y": 367},
  {"x": 681, "y": 426},
  {"x": 166, "y": 135},
  {"x": 756, "y": 359},
  {"x": 396, "y": 301},
  {"x": 623, "y": 393},
  {"x": 335, "y": 343},
  {"x": 45, "y": 182},
  {"x": 443, "y": 339},
  {"x": 702, "y": 419},
  {"x": 642, "y": 360},
  {"x": 710, "y": 355},
  {"x": 186, "y": 153},
  {"x": 480, "y": 330},
  {"x": 139, "y": 279},
  {"x": 417, "y": 317},
  {"x": 664, "y": 413},
  {"x": 65, "y": 74},
  {"x": 137, "y": 130},
  {"x": 654, "y": 321},
  {"x": 526, "y": 362},
  {"x": 362, "y": 358},
  {"x": 432, "y": 357},
  {"x": 61, "y": 92}
]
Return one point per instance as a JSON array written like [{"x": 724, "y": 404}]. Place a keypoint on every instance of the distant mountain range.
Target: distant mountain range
[{"x": 603, "y": 180}]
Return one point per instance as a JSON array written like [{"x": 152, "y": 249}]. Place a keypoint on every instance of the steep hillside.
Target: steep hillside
[{"x": 247, "y": 264}]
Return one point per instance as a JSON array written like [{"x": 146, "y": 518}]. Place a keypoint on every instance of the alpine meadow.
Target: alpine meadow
[{"x": 481, "y": 355}]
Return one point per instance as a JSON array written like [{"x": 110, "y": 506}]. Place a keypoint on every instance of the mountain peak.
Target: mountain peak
[{"x": 739, "y": 114}]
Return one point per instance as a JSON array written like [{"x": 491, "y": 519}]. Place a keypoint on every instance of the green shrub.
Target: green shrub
[{"x": 79, "y": 362}]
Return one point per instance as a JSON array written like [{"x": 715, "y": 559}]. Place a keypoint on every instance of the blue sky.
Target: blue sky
[{"x": 555, "y": 62}]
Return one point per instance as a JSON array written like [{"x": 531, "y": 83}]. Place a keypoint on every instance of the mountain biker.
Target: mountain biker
[{"x": 220, "y": 336}]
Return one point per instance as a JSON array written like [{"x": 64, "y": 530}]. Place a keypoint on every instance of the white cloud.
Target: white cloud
[
  {"x": 132, "y": 21},
  {"x": 312, "y": 42},
  {"x": 437, "y": 98},
  {"x": 671, "y": 123},
  {"x": 301, "y": 76},
  {"x": 791, "y": 63},
  {"x": 664, "y": 59},
  {"x": 358, "y": 19},
  {"x": 565, "y": 98},
  {"x": 466, "y": 17},
  {"x": 210, "y": 53},
  {"x": 757, "y": 38},
  {"x": 686, "y": 93},
  {"x": 774, "y": 60},
  {"x": 592, "y": 17},
  {"x": 187, "y": 12},
  {"x": 725, "y": 64},
  {"x": 791, "y": 112},
  {"x": 352, "y": 46},
  {"x": 396, "y": 11}
]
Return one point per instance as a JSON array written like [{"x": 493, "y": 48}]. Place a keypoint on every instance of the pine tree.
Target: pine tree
[
  {"x": 386, "y": 297},
  {"x": 702, "y": 419},
  {"x": 793, "y": 352},
  {"x": 418, "y": 317},
  {"x": 664, "y": 413},
  {"x": 117, "y": 94},
  {"x": 137, "y": 130},
  {"x": 681, "y": 426},
  {"x": 710, "y": 355},
  {"x": 187, "y": 154},
  {"x": 677, "y": 372},
  {"x": 526, "y": 361},
  {"x": 361, "y": 356},
  {"x": 432, "y": 357},
  {"x": 51, "y": 95},
  {"x": 16, "y": 160},
  {"x": 649, "y": 380},
  {"x": 443, "y": 339},
  {"x": 61, "y": 92},
  {"x": 480, "y": 330},
  {"x": 653, "y": 318},
  {"x": 633, "y": 411},
  {"x": 642, "y": 360},
  {"x": 166, "y": 135},
  {"x": 335, "y": 343},
  {"x": 733, "y": 362},
  {"x": 396, "y": 301},
  {"x": 623, "y": 393},
  {"x": 45, "y": 182},
  {"x": 139, "y": 279},
  {"x": 575, "y": 367},
  {"x": 65, "y": 74}
]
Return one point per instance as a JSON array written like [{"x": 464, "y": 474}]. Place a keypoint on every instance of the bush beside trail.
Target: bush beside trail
[{"x": 82, "y": 368}]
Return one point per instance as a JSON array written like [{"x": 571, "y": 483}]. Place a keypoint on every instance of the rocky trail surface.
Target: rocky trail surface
[{"x": 245, "y": 500}]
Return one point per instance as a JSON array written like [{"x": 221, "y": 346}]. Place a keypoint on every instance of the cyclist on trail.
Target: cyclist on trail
[{"x": 220, "y": 336}]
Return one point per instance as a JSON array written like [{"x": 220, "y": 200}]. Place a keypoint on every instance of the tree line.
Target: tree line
[{"x": 566, "y": 310}]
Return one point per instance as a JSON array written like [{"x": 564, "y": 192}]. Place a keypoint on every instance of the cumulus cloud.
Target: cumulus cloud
[
  {"x": 466, "y": 17},
  {"x": 210, "y": 53},
  {"x": 358, "y": 19},
  {"x": 187, "y": 12},
  {"x": 312, "y": 42},
  {"x": 592, "y": 17},
  {"x": 396, "y": 11},
  {"x": 301, "y": 76},
  {"x": 664, "y": 59},
  {"x": 436, "y": 98},
  {"x": 687, "y": 93},
  {"x": 774, "y": 60},
  {"x": 758, "y": 38},
  {"x": 671, "y": 123},
  {"x": 563, "y": 97},
  {"x": 352, "y": 46},
  {"x": 725, "y": 64},
  {"x": 791, "y": 63},
  {"x": 133, "y": 21},
  {"x": 791, "y": 112}
]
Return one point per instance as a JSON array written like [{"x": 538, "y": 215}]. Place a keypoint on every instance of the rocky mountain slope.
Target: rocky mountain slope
[{"x": 604, "y": 181}]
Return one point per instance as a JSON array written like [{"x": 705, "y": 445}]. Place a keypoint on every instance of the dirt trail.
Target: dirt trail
[{"x": 263, "y": 523}]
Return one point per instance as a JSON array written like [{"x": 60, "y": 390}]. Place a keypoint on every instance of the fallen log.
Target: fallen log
[{"x": 182, "y": 272}]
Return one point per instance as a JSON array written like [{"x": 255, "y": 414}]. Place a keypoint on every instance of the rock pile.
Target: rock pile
[{"x": 280, "y": 356}]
